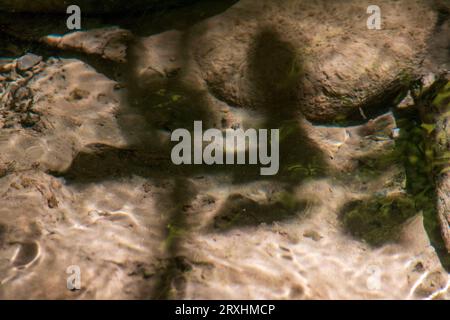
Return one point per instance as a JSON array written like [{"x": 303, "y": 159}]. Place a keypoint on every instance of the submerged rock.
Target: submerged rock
[
  {"x": 109, "y": 43},
  {"x": 282, "y": 58}
]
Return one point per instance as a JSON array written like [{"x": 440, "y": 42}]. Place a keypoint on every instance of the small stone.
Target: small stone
[
  {"x": 428, "y": 80},
  {"x": 28, "y": 61},
  {"x": 147, "y": 187},
  {"x": 78, "y": 94},
  {"x": 29, "y": 119},
  {"x": 395, "y": 133},
  {"x": 312, "y": 234},
  {"x": 419, "y": 267},
  {"x": 407, "y": 102},
  {"x": 6, "y": 65},
  {"x": 52, "y": 202},
  {"x": 22, "y": 93}
]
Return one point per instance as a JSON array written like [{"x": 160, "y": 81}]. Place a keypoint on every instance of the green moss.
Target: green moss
[
  {"x": 308, "y": 170},
  {"x": 287, "y": 129},
  {"x": 288, "y": 201},
  {"x": 173, "y": 234},
  {"x": 416, "y": 148},
  {"x": 241, "y": 211},
  {"x": 442, "y": 99},
  {"x": 379, "y": 219},
  {"x": 166, "y": 100}
]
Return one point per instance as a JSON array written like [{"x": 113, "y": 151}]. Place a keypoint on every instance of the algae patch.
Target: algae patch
[{"x": 379, "y": 219}]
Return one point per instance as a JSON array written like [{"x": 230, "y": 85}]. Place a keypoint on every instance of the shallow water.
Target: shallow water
[{"x": 91, "y": 184}]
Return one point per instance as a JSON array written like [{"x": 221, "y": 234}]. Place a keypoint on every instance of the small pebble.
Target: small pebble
[
  {"x": 395, "y": 133},
  {"x": 312, "y": 234}
]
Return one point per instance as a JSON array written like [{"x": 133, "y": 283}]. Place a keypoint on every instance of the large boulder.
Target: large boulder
[{"x": 273, "y": 55}]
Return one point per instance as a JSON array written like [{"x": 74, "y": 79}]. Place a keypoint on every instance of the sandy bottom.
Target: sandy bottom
[{"x": 75, "y": 196}]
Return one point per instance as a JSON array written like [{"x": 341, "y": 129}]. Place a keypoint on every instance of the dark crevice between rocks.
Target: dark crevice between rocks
[
  {"x": 374, "y": 105},
  {"x": 106, "y": 8},
  {"x": 145, "y": 20}
]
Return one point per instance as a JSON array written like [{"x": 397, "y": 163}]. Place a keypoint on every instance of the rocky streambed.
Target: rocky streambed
[{"x": 86, "y": 177}]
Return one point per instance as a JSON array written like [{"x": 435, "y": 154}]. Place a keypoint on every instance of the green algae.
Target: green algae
[
  {"x": 418, "y": 148},
  {"x": 379, "y": 219}
]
